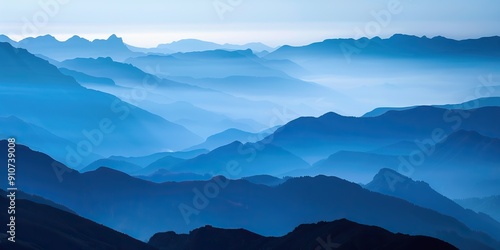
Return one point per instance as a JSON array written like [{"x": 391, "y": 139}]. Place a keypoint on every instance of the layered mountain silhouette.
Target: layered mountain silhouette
[
  {"x": 301, "y": 96},
  {"x": 47, "y": 98},
  {"x": 166, "y": 163},
  {"x": 176, "y": 101},
  {"x": 163, "y": 175},
  {"x": 316, "y": 138},
  {"x": 121, "y": 166},
  {"x": 267, "y": 180},
  {"x": 488, "y": 205},
  {"x": 206, "y": 123},
  {"x": 37, "y": 199},
  {"x": 85, "y": 79},
  {"x": 38, "y": 138},
  {"x": 392, "y": 183},
  {"x": 145, "y": 165},
  {"x": 141, "y": 208},
  {"x": 354, "y": 166},
  {"x": 192, "y": 45},
  {"x": 471, "y": 157},
  {"x": 230, "y": 135},
  {"x": 341, "y": 234},
  {"x": 213, "y": 64},
  {"x": 167, "y": 139},
  {"x": 144, "y": 161},
  {"x": 473, "y": 104},
  {"x": 75, "y": 47},
  {"x": 40, "y": 226},
  {"x": 396, "y": 46},
  {"x": 249, "y": 158}
]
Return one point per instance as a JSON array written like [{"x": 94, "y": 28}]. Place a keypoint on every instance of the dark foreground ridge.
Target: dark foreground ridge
[
  {"x": 41, "y": 226},
  {"x": 340, "y": 234}
]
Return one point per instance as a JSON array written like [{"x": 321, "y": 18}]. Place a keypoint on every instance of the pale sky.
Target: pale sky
[{"x": 147, "y": 23}]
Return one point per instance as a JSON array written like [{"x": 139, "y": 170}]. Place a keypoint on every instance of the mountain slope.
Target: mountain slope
[
  {"x": 390, "y": 182},
  {"x": 359, "y": 167},
  {"x": 171, "y": 99},
  {"x": 97, "y": 121},
  {"x": 121, "y": 166},
  {"x": 341, "y": 234},
  {"x": 38, "y": 138},
  {"x": 166, "y": 163},
  {"x": 251, "y": 158},
  {"x": 40, "y": 226},
  {"x": 488, "y": 205},
  {"x": 86, "y": 79},
  {"x": 208, "y": 64}
]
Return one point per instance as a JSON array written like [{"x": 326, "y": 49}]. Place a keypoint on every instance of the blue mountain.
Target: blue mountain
[
  {"x": 471, "y": 157},
  {"x": 269, "y": 87},
  {"x": 144, "y": 161},
  {"x": 473, "y": 104},
  {"x": 121, "y": 166},
  {"x": 314, "y": 139},
  {"x": 267, "y": 180},
  {"x": 488, "y": 205},
  {"x": 206, "y": 123},
  {"x": 396, "y": 46},
  {"x": 392, "y": 183},
  {"x": 85, "y": 79},
  {"x": 250, "y": 158},
  {"x": 76, "y": 47},
  {"x": 208, "y": 64},
  {"x": 38, "y": 138},
  {"x": 162, "y": 175},
  {"x": 20, "y": 195},
  {"x": 6, "y": 39},
  {"x": 165, "y": 163},
  {"x": 192, "y": 45},
  {"x": 359, "y": 167},
  {"x": 230, "y": 135}
]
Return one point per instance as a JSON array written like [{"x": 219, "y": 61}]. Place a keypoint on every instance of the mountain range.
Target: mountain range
[
  {"x": 314, "y": 138},
  {"x": 467, "y": 153},
  {"x": 473, "y": 104},
  {"x": 192, "y": 45},
  {"x": 102, "y": 122},
  {"x": 141, "y": 208},
  {"x": 74, "y": 47},
  {"x": 398, "y": 45},
  {"x": 341, "y": 234}
]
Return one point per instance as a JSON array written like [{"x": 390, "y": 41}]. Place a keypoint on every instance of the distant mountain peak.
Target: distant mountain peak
[
  {"x": 114, "y": 37},
  {"x": 385, "y": 173},
  {"x": 330, "y": 115},
  {"x": 76, "y": 38},
  {"x": 104, "y": 59}
]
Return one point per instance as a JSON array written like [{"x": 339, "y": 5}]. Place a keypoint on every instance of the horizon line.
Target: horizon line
[{"x": 65, "y": 38}]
